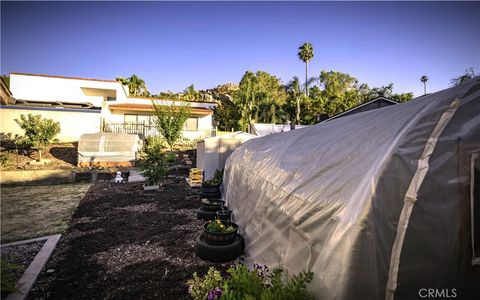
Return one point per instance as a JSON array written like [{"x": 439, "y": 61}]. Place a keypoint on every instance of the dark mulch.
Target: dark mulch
[
  {"x": 126, "y": 243},
  {"x": 19, "y": 257}
]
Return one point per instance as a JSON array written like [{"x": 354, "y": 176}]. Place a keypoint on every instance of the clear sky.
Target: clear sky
[{"x": 173, "y": 44}]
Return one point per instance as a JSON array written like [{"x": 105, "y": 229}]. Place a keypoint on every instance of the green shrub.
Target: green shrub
[
  {"x": 258, "y": 283},
  {"x": 5, "y": 159},
  {"x": 153, "y": 164},
  {"x": 199, "y": 288},
  {"x": 39, "y": 132}
]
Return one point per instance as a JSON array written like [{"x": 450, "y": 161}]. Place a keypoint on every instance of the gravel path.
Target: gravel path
[{"x": 21, "y": 256}]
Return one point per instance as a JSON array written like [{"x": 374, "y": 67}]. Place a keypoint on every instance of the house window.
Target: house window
[
  {"x": 130, "y": 118},
  {"x": 143, "y": 119},
  {"x": 111, "y": 99},
  {"x": 475, "y": 207},
  {"x": 191, "y": 124}
]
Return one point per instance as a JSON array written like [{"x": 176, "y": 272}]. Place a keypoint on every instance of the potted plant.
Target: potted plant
[
  {"x": 153, "y": 165},
  {"x": 219, "y": 233},
  {"x": 213, "y": 184}
]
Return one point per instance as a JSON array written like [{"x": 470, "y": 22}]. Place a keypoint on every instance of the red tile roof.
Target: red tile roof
[{"x": 149, "y": 107}]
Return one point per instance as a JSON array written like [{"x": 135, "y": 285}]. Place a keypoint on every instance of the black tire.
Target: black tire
[
  {"x": 215, "y": 195},
  {"x": 206, "y": 215},
  {"x": 211, "y": 189},
  {"x": 219, "y": 253}
]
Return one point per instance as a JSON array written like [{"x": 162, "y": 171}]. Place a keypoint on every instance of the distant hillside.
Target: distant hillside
[{"x": 221, "y": 92}]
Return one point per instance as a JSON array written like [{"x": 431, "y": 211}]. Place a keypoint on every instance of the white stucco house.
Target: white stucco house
[{"x": 85, "y": 105}]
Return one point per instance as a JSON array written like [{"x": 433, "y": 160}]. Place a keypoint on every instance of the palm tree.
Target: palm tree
[
  {"x": 305, "y": 54},
  {"x": 136, "y": 85},
  {"x": 424, "y": 79}
]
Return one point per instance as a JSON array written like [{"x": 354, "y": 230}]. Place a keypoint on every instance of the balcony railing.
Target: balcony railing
[{"x": 149, "y": 130}]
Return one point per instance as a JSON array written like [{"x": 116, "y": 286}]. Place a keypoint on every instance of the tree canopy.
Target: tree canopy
[
  {"x": 469, "y": 74},
  {"x": 305, "y": 54},
  {"x": 169, "y": 120},
  {"x": 39, "y": 132},
  {"x": 262, "y": 98}
]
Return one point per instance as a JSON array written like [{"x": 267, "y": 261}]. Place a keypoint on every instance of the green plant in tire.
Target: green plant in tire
[
  {"x": 153, "y": 164},
  {"x": 218, "y": 227},
  {"x": 216, "y": 179}
]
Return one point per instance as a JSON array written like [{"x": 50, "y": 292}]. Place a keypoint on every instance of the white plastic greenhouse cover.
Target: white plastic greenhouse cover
[
  {"x": 376, "y": 204},
  {"x": 101, "y": 144}
]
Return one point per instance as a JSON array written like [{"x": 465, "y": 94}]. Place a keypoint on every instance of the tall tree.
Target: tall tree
[
  {"x": 170, "y": 120},
  {"x": 227, "y": 115},
  {"x": 469, "y": 74},
  {"x": 136, "y": 85},
  {"x": 424, "y": 80},
  {"x": 305, "y": 54},
  {"x": 260, "y": 98}
]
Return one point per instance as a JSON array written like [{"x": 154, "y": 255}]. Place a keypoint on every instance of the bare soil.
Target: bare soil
[
  {"x": 62, "y": 156},
  {"x": 127, "y": 243}
]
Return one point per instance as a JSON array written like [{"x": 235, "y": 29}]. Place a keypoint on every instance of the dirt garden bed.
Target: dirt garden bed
[
  {"x": 62, "y": 156},
  {"x": 126, "y": 243}
]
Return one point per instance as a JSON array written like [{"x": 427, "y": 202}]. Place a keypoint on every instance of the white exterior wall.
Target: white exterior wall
[
  {"x": 72, "y": 123},
  {"x": 213, "y": 152},
  {"x": 77, "y": 90},
  {"x": 204, "y": 122},
  {"x": 44, "y": 88}
]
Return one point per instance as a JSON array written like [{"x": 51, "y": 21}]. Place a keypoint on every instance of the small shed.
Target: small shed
[
  {"x": 108, "y": 149},
  {"x": 213, "y": 152}
]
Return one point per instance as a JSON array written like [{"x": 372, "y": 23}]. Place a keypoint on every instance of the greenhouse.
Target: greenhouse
[{"x": 379, "y": 204}]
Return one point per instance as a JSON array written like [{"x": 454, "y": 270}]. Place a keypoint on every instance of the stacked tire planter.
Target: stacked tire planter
[
  {"x": 211, "y": 202},
  {"x": 219, "y": 247},
  {"x": 214, "y": 246}
]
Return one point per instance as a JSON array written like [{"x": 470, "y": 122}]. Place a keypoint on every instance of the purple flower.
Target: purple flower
[{"x": 215, "y": 294}]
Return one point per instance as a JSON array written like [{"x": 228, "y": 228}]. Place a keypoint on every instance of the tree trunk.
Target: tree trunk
[
  {"x": 425, "y": 88},
  {"x": 306, "y": 79},
  {"x": 39, "y": 154},
  {"x": 297, "y": 117}
]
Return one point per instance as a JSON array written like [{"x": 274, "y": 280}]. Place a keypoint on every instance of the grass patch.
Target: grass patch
[{"x": 33, "y": 211}]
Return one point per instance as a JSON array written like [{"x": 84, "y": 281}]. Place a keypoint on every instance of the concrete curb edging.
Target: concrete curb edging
[{"x": 25, "y": 283}]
